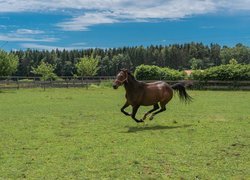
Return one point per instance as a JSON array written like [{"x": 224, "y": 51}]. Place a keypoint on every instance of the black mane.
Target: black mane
[{"x": 131, "y": 75}]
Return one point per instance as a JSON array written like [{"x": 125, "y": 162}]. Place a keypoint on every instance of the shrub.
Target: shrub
[
  {"x": 147, "y": 72},
  {"x": 223, "y": 72},
  {"x": 171, "y": 74},
  {"x": 8, "y": 63}
]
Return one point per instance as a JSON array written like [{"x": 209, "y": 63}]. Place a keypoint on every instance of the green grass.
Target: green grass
[{"x": 81, "y": 134}]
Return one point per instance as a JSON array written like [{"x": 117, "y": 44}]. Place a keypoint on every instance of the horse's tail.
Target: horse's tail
[{"x": 182, "y": 92}]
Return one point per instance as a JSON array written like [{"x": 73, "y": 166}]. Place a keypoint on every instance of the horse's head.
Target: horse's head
[{"x": 121, "y": 78}]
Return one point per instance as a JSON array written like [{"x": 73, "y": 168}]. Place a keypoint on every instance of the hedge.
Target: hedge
[
  {"x": 147, "y": 72},
  {"x": 223, "y": 72}
]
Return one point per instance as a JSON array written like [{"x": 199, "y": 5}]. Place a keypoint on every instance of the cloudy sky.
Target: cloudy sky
[{"x": 77, "y": 24}]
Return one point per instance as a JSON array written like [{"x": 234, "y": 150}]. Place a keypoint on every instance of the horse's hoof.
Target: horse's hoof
[
  {"x": 140, "y": 121},
  {"x": 151, "y": 118}
]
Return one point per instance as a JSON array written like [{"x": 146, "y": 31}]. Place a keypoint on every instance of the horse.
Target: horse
[{"x": 139, "y": 93}]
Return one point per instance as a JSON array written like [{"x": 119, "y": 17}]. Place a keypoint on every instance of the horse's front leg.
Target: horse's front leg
[
  {"x": 124, "y": 107},
  {"x": 134, "y": 111}
]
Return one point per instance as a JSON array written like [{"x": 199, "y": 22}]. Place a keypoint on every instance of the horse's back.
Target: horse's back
[
  {"x": 158, "y": 85},
  {"x": 155, "y": 92}
]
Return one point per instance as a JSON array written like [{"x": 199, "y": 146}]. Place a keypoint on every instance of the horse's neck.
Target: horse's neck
[{"x": 131, "y": 85}]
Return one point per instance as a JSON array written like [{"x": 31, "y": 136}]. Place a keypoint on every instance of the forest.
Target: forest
[{"x": 176, "y": 56}]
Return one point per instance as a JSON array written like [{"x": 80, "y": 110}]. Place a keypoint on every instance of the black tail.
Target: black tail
[{"x": 182, "y": 92}]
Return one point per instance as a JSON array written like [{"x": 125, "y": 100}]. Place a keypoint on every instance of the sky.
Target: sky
[{"x": 83, "y": 24}]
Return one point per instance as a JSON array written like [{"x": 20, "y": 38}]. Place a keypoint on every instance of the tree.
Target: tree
[
  {"x": 239, "y": 52},
  {"x": 195, "y": 63},
  {"x": 8, "y": 63},
  {"x": 175, "y": 56},
  {"x": 121, "y": 61},
  {"x": 87, "y": 66},
  {"x": 215, "y": 54},
  {"x": 46, "y": 71},
  {"x": 233, "y": 61},
  {"x": 106, "y": 66}
]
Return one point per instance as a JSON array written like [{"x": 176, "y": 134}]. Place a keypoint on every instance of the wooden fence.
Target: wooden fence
[
  {"x": 16, "y": 82},
  {"x": 62, "y": 82}
]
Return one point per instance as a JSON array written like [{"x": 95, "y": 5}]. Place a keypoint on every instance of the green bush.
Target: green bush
[
  {"x": 147, "y": 72},
  {"x": 223, "y": 72},
  {"x": 8, "y": 63}
]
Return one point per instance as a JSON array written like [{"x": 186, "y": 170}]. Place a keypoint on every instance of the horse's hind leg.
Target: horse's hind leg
[
  {"x": 163, "y": 108},
  {"x": 156, "y": 106}
]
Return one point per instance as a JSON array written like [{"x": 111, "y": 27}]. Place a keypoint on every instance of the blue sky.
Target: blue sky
[{"x": 81, "y": 24}]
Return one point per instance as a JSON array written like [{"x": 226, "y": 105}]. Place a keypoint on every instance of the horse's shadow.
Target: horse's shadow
[{"x": 152, "y": 128}]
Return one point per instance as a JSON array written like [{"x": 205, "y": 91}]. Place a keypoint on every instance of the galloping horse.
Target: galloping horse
[{"x": 146, "y": 94}]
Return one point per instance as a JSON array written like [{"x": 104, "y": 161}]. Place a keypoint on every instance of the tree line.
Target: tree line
[{"x": 175, "y": 56}]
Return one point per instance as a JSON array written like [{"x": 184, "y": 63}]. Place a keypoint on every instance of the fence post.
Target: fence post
[
  {"x": 87, "y": 83},
  {"x": 67, "y": 81},
  {"x": 17, "y": 80},
  {"x": 34, "y": 82}
]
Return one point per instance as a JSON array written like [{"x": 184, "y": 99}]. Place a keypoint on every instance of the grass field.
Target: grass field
[{"x": 81, "y": 134}]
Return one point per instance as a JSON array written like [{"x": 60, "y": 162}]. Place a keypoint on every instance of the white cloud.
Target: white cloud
[
  {"x": 134, "y": 11},
  {"x": 48, "y": 47},
  {"x": 79, "y": 44},
  {"x": 113, "y": 11},
  {"x": 120, "y": 5},
  {"x": 3, "y": 27},
  {"x": 232, "y": 5},
  {"x": 28, "y": 31},
  {"x": 16, "y": 38},
  {"x": 143, "y": 11},
  {"x": 84, "y": 21}
]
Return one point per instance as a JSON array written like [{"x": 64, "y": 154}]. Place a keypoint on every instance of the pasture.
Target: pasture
[{"x": 81, "y": 134}]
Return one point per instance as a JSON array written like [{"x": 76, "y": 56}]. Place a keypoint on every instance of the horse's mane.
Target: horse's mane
[
  {"x": 131, "y": 75},
  {"x": 128, "y": 72}
]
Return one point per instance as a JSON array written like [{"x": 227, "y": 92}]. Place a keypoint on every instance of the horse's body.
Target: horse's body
[{"x": 146, "y": 94}]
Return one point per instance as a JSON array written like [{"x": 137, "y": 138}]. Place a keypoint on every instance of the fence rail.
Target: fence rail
[
  {"x": 62, "y": 82},
  {"x": 16, "y": 82}
]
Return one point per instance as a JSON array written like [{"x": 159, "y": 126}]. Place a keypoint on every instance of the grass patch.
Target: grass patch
[{"x": 81, "y": 134}]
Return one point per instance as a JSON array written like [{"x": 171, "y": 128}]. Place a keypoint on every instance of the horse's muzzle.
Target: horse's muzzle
[{"x": 115, "y": 86}]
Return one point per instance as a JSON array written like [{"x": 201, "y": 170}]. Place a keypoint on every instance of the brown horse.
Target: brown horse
[{"x": 146, "y": 94}]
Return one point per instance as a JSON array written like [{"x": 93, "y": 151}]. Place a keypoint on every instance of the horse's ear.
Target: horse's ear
[
  {"x": 123, "y": 69},
  {"x": 130, "y": 70}
]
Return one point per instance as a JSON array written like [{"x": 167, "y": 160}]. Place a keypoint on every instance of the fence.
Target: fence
[
  {"x": 69, "y": 81},
  {"x": 62, "y": 82}
]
